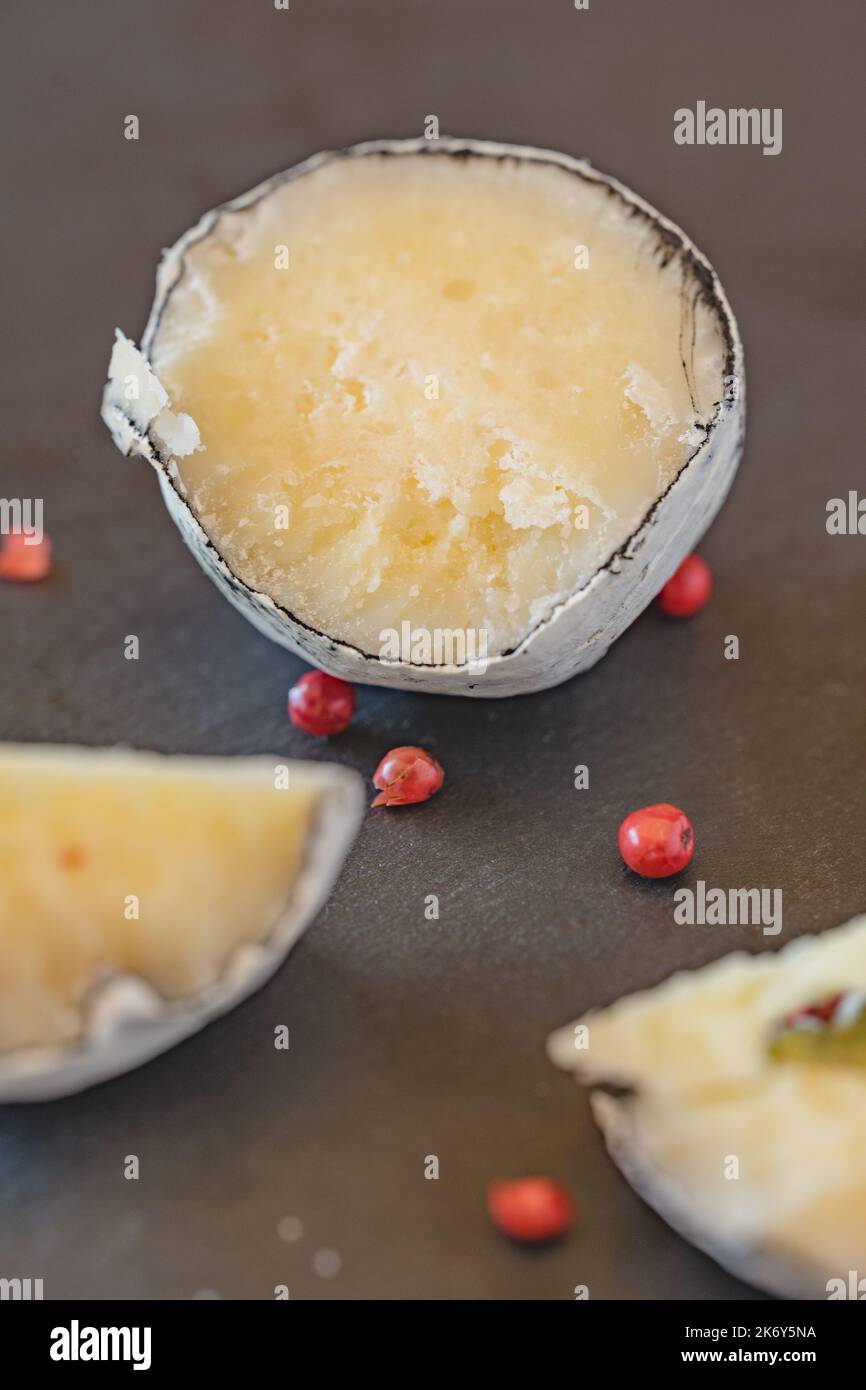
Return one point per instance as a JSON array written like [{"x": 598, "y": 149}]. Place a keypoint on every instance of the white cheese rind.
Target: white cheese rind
[{"x": 135, "y": 405}]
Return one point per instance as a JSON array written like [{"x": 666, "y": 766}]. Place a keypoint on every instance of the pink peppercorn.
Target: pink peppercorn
[
  {"x": 405, "y": 776},
  {"x": 688, "y": 590},
  {"x": 24, "y": 559},
  {"x": 321, "y": 704},
  {"x": 657, "y": 840},
  {"x": 530, "y": 1209}
]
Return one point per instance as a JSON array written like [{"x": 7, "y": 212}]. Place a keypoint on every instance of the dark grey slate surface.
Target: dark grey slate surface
[{"x": 412, "y": 1037}]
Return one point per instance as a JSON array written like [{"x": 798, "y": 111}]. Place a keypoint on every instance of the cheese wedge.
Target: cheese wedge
[
  {"x": 756, "y": 1160},
  {"x": 160, "y": 870}
]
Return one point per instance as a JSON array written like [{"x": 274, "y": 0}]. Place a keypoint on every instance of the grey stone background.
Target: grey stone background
[{"x": 411, "y": 1037}]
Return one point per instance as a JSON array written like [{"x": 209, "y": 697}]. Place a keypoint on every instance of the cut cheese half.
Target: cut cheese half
[
  {"x": 758, "y": 1162},
  {"x": 438, "y": 415},
  {"x": 141, "y": 895}
]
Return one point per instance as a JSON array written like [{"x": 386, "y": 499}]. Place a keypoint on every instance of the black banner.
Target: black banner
[{"x": 154, "y": 1338}]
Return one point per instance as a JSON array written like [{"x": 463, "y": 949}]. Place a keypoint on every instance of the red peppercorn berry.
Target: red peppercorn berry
[
  {"x": 405, "y": 776},
  {"x": 24, "y": 559},
  {"x": 321, "y": 704},
  {"x": 688, "y": 590},
  {"x": 530, "y": 1209},
  {"x": 657, "y": 841},
  {"x": 821, "y": 1013}
]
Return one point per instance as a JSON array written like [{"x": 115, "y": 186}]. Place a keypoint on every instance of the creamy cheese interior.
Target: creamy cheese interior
[
  {"x": 421, "y": 400},
  {"x": 112, "y": 861}
]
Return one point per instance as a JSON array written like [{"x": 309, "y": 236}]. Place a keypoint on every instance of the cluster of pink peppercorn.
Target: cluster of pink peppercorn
[{"x": 324, "y": 705}]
